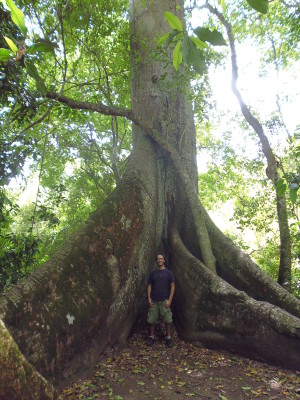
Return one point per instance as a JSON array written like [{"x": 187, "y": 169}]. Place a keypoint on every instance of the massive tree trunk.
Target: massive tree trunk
[{"x": 93, "y": 291}]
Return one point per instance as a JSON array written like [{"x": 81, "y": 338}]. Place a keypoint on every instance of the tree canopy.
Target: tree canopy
[{"x": 80, "y": 53}]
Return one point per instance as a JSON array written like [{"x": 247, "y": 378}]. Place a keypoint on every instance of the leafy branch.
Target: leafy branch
[
  {"x": 20, "y": 51},
  {"x": 189, "y": 49}
]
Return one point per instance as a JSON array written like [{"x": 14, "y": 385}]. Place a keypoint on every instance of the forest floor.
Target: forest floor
[{"x": 139, "y": 372}]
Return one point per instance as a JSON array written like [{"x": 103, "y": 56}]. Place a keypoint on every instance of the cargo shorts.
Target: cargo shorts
[{"x": 159, "y": 312}]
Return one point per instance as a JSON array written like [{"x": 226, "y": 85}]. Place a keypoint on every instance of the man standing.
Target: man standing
[{"x": 161, "y": 288}]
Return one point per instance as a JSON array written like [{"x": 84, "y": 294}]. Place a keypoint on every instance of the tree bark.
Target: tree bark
[
  {"x": 93, "y": 291},
  {"x": 18, "y": 378},
  {"x": 84, "y": 288},
  {"x": 216, "y": 314}
]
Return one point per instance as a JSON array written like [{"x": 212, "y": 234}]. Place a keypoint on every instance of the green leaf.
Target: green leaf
[
  {"x": 11, "y": 44},
  {"x": 192, "y": 55},
  {"x": 172, "y": 35},
  {"x": 293, "y": 195},
  {"x": 185, "y": 49},
  {"x": 17, "y": 16},
  {"x": 31, "y": 69},
  {"x": 201, "y": 45},
  {"x": 261, "y": 6},
  {"x": 213, "y": 37},
  {"x": 281, "y": 187},
  {"x": 281, "y": 190},
  {"x": 163, "y": 38},
  {"x": 33, "y": 72},
  {"x": 280, "y": 182},
  {"x": 173, "y": 20},
  {"x": 42, "y": 47},
  {"x": 5, "y": 54},
  {"x": 177, "y": 56},
  {"x": 41, "y": 87}
]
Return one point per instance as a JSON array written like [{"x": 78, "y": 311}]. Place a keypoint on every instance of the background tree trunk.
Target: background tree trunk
[
  {"x": 272, "y": 171},
  {"x": 93, "y": 291}
]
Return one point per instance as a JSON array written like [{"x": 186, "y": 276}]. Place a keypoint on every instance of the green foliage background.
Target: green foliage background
[{"x": 75, "y": 157}]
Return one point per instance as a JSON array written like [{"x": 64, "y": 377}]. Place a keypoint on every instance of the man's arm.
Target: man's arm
[
  {"x": 149, "y": 294},
  {"x": 169, "y": 301}
]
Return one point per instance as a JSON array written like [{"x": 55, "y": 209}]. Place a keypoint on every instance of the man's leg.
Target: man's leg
[
  {"x": 152, "y": 320},
  {"x": 152, "y": 329},
  {"x": 169, "y": 342},
  {"x": 167, "y": 317},
  {"x": 150, "y": 340},
  {"x": 168, "y": 330}
]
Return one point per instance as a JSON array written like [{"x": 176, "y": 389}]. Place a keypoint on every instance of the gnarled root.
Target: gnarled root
[
  {"x": 211, "y": 311},
  {"x": 237, "y": 268},
  {"x": 15, "y": 371},
  {"x": 92, "y": 289}
]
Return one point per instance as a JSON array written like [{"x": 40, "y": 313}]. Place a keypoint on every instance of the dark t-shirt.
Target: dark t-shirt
[{"x": 160, "y": 281}]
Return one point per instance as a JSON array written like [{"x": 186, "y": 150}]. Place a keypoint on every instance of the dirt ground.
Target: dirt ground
[{"x": 140, "y": 372}]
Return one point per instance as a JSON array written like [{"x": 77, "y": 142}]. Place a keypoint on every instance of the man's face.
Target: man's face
[{"x": 160, "y": 260}]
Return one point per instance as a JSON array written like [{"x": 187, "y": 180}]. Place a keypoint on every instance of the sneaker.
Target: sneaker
[
  {"x": 150, "y": 341},
  {"x": 169, "y": 343}
]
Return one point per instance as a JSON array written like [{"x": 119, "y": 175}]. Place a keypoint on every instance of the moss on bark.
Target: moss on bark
[
  {"x": 18, "y": 379},
  {"x": 72, "y": 298}
]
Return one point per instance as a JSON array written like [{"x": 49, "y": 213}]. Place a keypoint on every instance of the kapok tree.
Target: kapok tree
[{"x": 92, "y": 292}]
